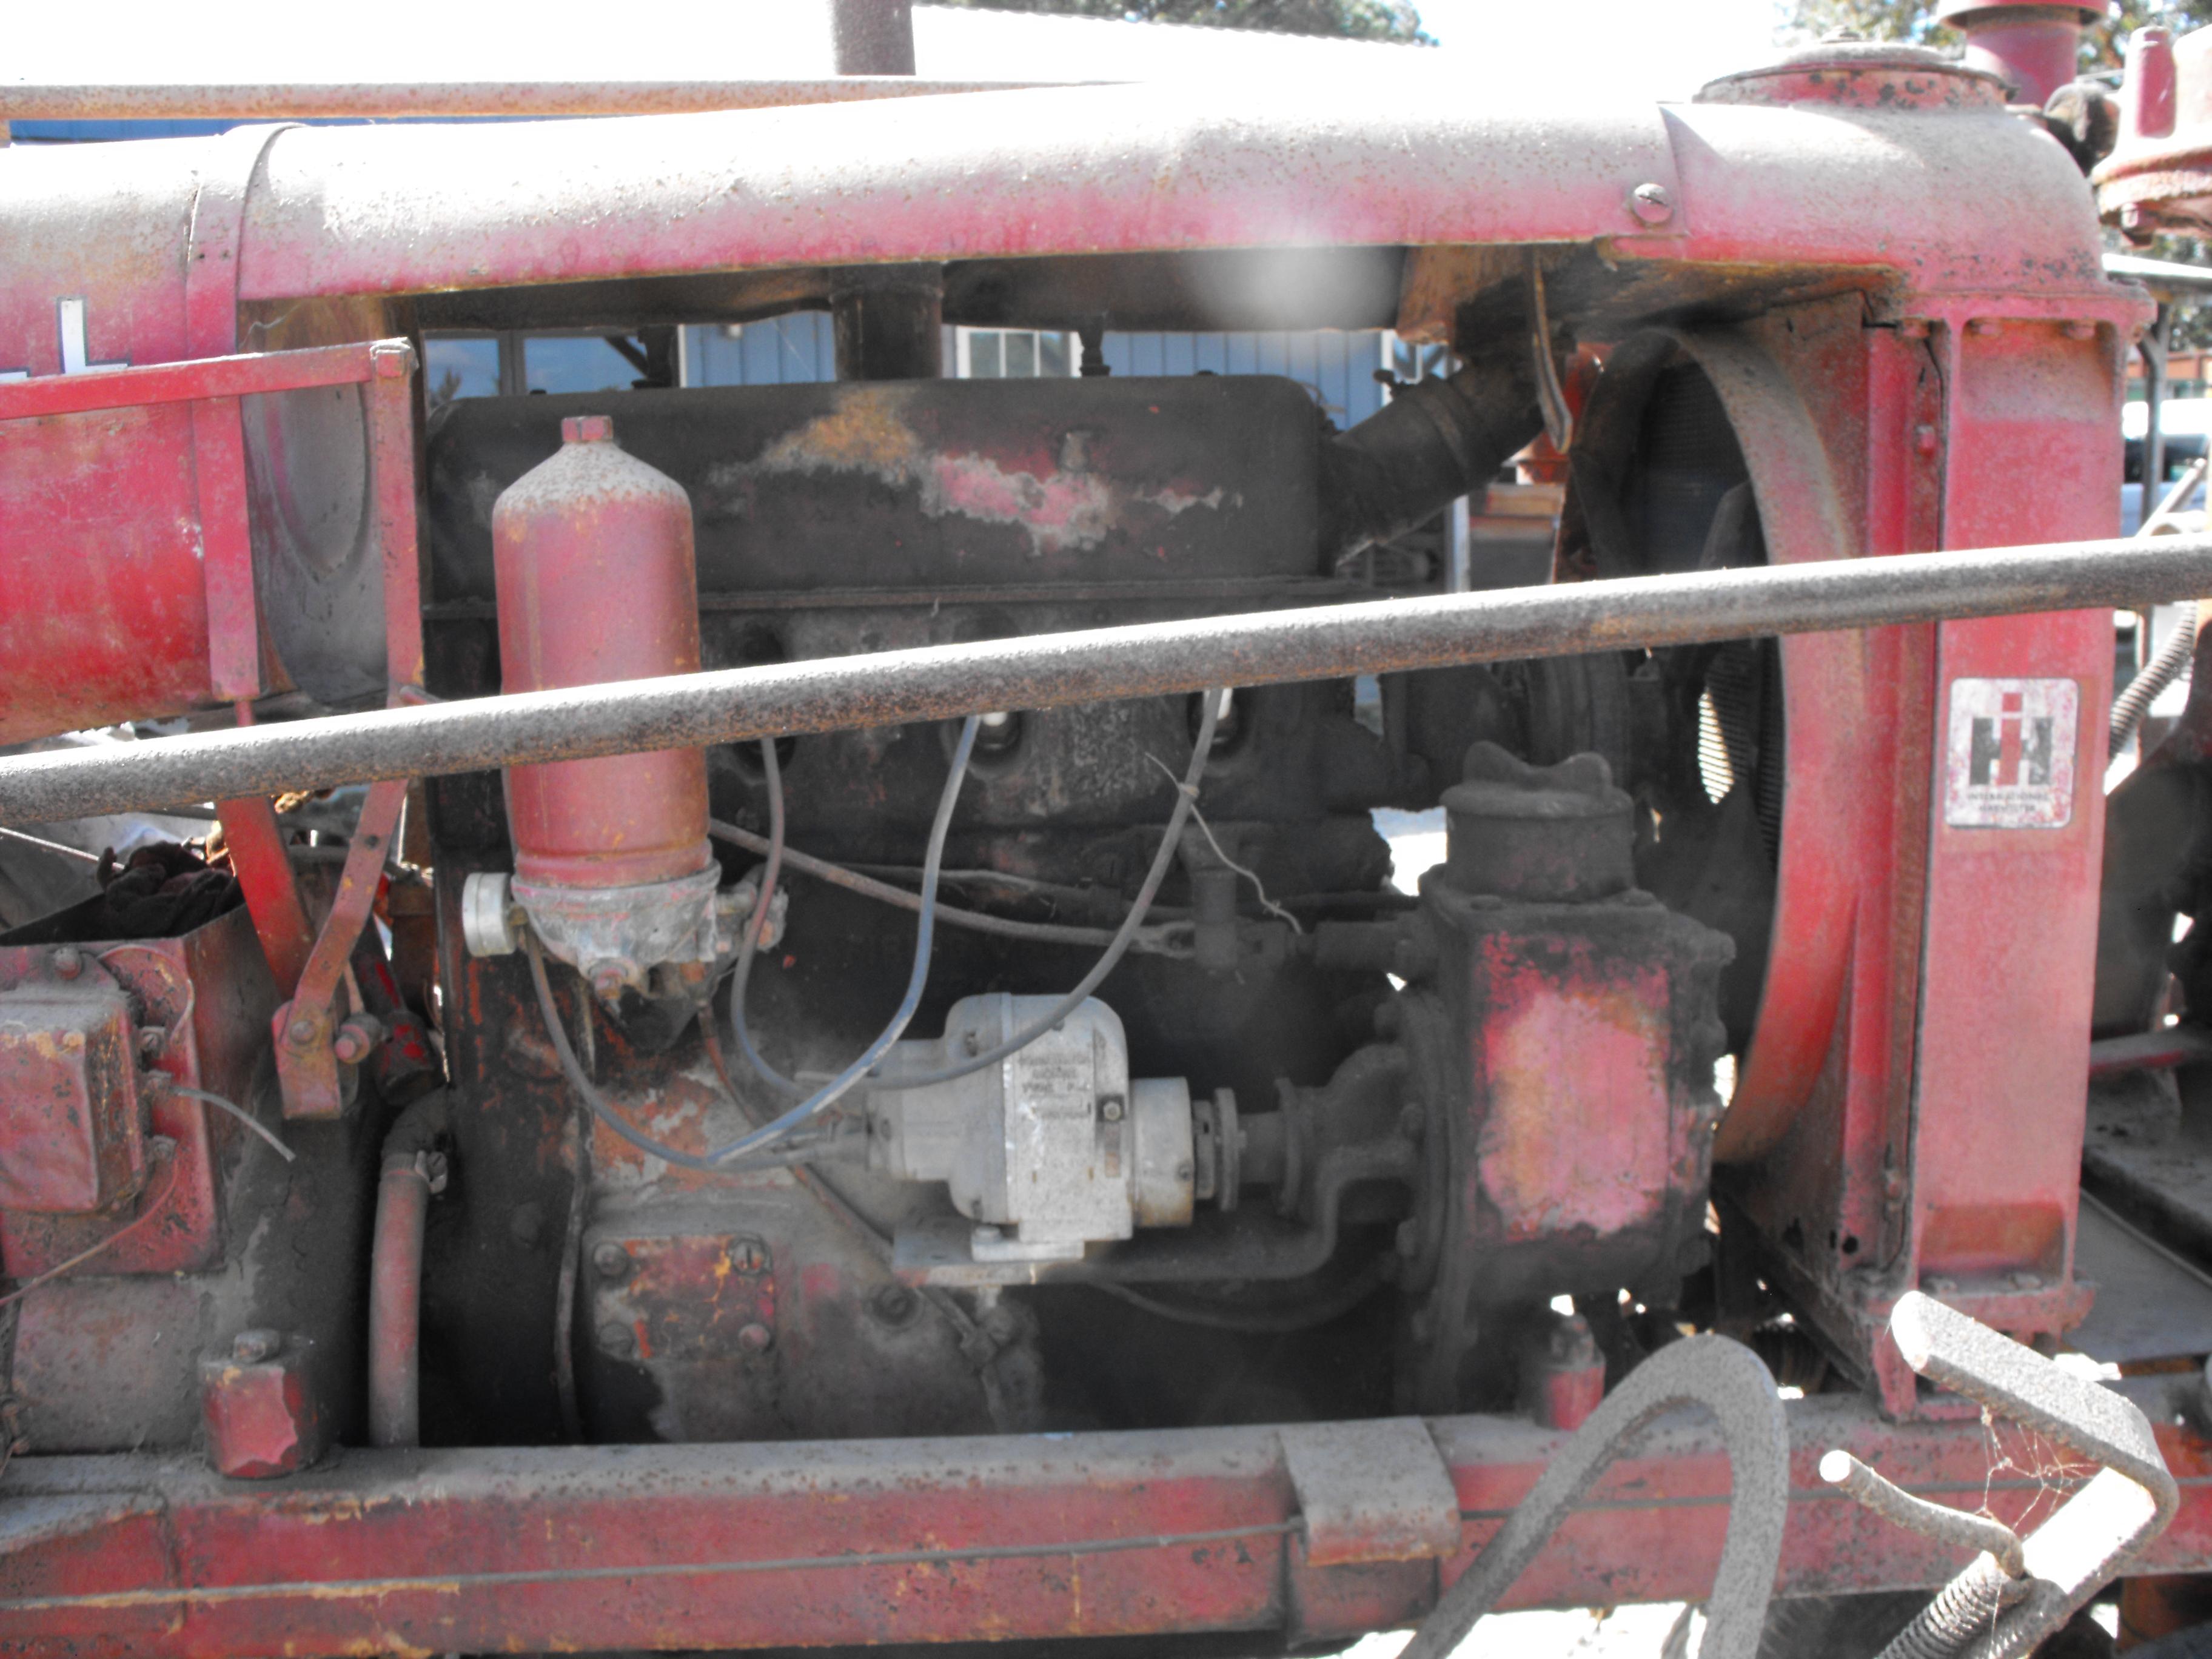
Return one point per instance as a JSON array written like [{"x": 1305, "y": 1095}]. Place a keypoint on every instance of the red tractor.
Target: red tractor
[{"x": 772, "y": 1017}]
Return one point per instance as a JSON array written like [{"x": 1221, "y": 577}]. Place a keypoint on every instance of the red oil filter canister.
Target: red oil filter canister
[{"x": 597, "y": 582}]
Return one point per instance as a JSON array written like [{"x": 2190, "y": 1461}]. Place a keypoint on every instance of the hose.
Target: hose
[
  {"x": 413, "y": 1169},
  {"x": 2133, "y": 703},
  {"x": 925, "y": 932},
  {"x": 1186, "y": 798}
]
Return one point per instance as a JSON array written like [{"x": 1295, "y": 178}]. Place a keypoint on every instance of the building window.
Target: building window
[{"x": 1012, "y": 354}]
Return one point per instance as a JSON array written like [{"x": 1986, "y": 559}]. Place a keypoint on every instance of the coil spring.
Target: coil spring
[{"x": 1963, "y": 1612}]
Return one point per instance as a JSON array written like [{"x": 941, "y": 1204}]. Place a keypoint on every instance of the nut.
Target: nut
[
  {"x": 1653, "y": 204},
  {"x": 1110, "y": 1108}
]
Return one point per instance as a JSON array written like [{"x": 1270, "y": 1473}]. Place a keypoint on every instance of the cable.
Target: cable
[
  {"x": 1253, "y": 1321},
  {"x": 741, "y": 979},
  {"x": 2134, "y": 702},
  {"x": 1252, "y": 876},
  {"x": 240, "y": 1114},
  {"x": 925, "y": 932},
  {"x": 1186, "y": 798},
  {"x": 148, "y": 1209},
  {"x": 565, "y": 1052},
  {"x": 1043, "y": 933}
]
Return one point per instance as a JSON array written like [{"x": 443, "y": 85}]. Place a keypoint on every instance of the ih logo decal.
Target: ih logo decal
[{"x": 2009, "y": 763}]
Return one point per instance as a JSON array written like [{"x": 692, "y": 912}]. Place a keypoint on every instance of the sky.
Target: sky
[{"x": 1594, "y": 48}]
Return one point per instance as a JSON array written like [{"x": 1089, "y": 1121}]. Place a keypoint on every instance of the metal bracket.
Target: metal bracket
[
  {"x": 2069, "y": 1558},
  {"x": 1371, "y": 1491},
  {"x": 309, "y": 1027}
]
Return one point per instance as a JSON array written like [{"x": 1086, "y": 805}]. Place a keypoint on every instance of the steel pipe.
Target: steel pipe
[{"x": 1048, "y": 670}]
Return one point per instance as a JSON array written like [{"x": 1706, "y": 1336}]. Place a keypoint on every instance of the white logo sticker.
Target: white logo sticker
[{"x": 2009, "y": 763}]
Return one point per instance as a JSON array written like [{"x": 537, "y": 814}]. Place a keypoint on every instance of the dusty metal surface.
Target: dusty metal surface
[
  {"x": 1049, "y": 671},
  {"x": 924, "y": 1539}
]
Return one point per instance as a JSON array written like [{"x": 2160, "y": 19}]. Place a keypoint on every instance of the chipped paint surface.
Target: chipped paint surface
[{"x": 1067, "y": 507}]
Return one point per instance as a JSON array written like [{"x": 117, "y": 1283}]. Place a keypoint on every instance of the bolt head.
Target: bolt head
[
  {"x": 749, "y": 1255},
  {"x": 152, "y": 1039},
  {"x": 756, "y": 1338},
  {"x": 254, "y": 1346},
  {"x": 894, "y": 1304},
  {"x": 2079, "y": 330},
  {"x": 611, "y": 1260},
  {"x": 300, "y": 1029},
  {"x": 617, "y": 1340},
  {"x": 587, "y": 428},
  {"x": 1924, "y": 439},
  {"x": 1110, "y": 1108},
  {"x": 606, "y": 980},
  {"x": 1652, "y": 204},
  {"x": 68, "y": 962}
]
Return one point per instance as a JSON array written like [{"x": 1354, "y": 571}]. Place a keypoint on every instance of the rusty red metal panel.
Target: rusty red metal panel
[
  {"x": 205, "y": 996},
  {"x": 226, "y": 550},
  {"x": 124, "y": 477},
  {"x": 2017, "y": 829},
  {"x": 916, "y": 1540},
  {"x": 70, "y": 1137}
]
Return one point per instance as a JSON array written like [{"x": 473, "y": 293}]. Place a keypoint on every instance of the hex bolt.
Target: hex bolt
[
  {"x": 749, "y": 1255},
  {"x": 611, "y": 1260},
  {"x": 355, "y": 1041},
  {"x": 894, "y": 1304},
  {"x": 1110, "y": 1108},
  {"x": 1653, "y": 204},
  {"x": 300, "y": 1029},
  {"x": 1924, "y": 439},
  {"x": 252, "y": 1347},
  {"x": 756, "y": 1338},
  {"x": 617, "y": 1340},
  {"x": 68, "y": 962}
]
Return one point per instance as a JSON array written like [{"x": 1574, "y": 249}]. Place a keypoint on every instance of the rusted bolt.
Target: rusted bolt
[
  {"x": 749, "y": 1255},
  {"x": 300, "y": 1029},
  {"x": 68, "y": 962},
  {"x": 355, "y": 1041},
  {"x": 252, "y": 1347},
  {"x": 611, "y": 1260},
  {"x": 756, "y": 1338},
  {"x": 1923, "y": 439},
  {"x": 1110, "y": 1108},
  {"x": 606, "y": 980},
  {"x": 1652, "y": 203},
  {"x": 894, "y": 1304},
  {"x": 617, "y": 1340},
  {"x": 152, "y": 1039}
]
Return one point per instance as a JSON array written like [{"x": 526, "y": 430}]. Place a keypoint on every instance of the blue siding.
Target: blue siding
[{"x": 1338, "y": 369}]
